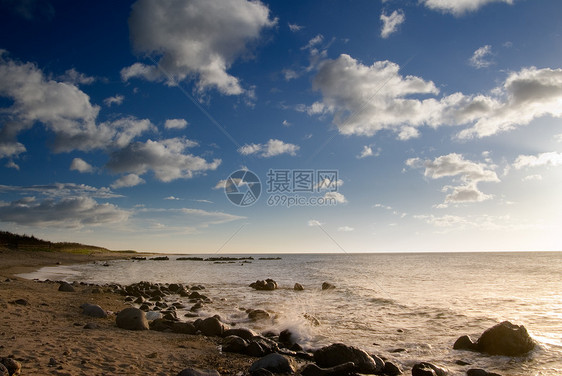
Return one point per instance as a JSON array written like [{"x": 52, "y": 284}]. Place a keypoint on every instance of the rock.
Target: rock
[
  {"x": 91, "y": 325},
  {"x": 275, "y": 363},
  {"x": 428, "y": 369},
  {"x": 4, "y": 371},
  {"x": 327, "y": 286},
  {"x": 132, "y": 319},
  {"x": 298, "y": 287},
  {"x": 23, "y": 302},
  {"x": 93, "y": 310},
  {"x": 311, "y": 319},
  {"x": 183, "y": 328},
  {"x": 391, "y": 369},
  {"x": 12, "y": 366},
  {"x": 285, "y": 337},
  {"x": 461, "y": 363},
  {"x": 198, "y": 372},
  {"x": 153, "y": 315},
  {"x": 243, "y": 333},
  {"x": 340, "y": 370},
  {"x": 161, "y": 325},
  {"x": 505, "y": 339},
  {"x": 464, "y": 343},
  {"x": 267, "y": 285},
  {"x": 211, "y": 327},
  {"x": 258, "y": 314},
  {"x": 480, "y": 372},
  {"x": 339, "y": 353},
  {"x": 66, "y": 287},
  {"x": 234, "y": 344}
]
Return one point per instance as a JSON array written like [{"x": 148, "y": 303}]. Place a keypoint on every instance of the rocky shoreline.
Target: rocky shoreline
[{"x": 155, "y": 307}]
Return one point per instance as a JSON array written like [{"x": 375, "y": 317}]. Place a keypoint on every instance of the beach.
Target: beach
[{"x": 47, "y": 335}]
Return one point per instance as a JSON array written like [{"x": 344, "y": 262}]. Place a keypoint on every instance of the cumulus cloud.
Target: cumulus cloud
[
  {"x": 167, "y": 159},
  {"x": 72, "y": 76},
  {"x": 459, "y": 7},
  {"x": 364, "y": 100},
  {"x": 129, "y": 180},
  {"x": 80, "y": 165},
  {"x": 195, "y": 38},
  {"x": 480, "y": 57},
  {"x": 542, "y": 159},
  {"x": 336, "y": 197},
  {"x": 391, "y": 23},
  {"x": 67, "y": 212},
  {"x": 172, "y": 198},
  {"x": 368, "y": 152},
  {"x": 468, "y": 172},
  {"x": 270, "y": 149},
  {"x": 61, "y": 107},
  {"x": 60, "y": 190},
  {"x": 175, "y": 123},
  {"x": 117, "y": 100}
]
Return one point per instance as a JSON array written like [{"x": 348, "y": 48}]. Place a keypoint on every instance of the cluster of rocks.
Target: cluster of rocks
[
  {"x": 9, "y": 366},
  {"x": 270, "y": 285}
]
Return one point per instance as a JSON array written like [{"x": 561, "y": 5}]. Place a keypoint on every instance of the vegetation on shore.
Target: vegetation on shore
[{"x": 25, "y": 242}]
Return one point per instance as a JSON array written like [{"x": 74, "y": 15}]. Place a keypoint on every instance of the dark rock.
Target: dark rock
[
  {"x": 4, "y": 371},
  {"x": 267, "y": 285},
  {"x": 339, "y": 353},
  {"x": 391, "y": 369},
  {"x": 480, "y": 372},
  {"x": 327, "y": 286},
  {"x": 275, "y": 363},
  {"x": 258, "y": 314},
  {"x": 172, "y": 316},
  {"x": 66, "y": 287},
  {"x": 261, "y": 371},
  {"x": 145, "y": 307},
  {"x": 196, "y": 307},
  {"x": 211, "y": 327},
  {"x": 198, "y": 372},
  {"x": 23, "y": 302},
  {"x": 399, "y": 350},
  {"x": 285, "y": 337},
  {"x": 464, "y": 343},
  {"x": 461, "y": 363},
  {"x": 298, "y": 287},
  {"x": 132, "y": 319},
  {"x": 183, "y": 327},
  {"x": 505, "y": 339},
  {"x": 91, "y": 325},
  {"x": 234, "y": 344},
  {"x": 161, "y": 325},
  {"x": 93, "y": 310},
  {"x": 255, "y": 349},
  {"x": 12, "y": 365},
  {"x": 339, "y": 370},
  {"x": 428, "y": 369},
  {"x": 240, "y": 332},
  {"x": 295, "y": 347}
]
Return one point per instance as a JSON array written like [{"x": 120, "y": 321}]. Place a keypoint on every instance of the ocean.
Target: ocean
[{"x": 404, "y": 307}]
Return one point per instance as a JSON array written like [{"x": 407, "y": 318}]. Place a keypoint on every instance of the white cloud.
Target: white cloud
[
  {"x": 390, "y": 23},
  {"x": 346, "y": 229},
  {"x": 459, "y": 7},
  {"x": 175, "y": 123},
  {"x": 117, "y": 99},
  {"x": 172, "y": 198},
  {"x": 62, "y": 108},
  {"x": 188, "y": 217},
  {"x": 129, "y": 180},
  {"x": 318, "y": 39},
  {"x": 289, "y": 74},
  {"x": 294, "y": 27},
  {"x": 271, "y": 149},
  {"x": 480, "y": 57},
  {"x": 366, "y": 152},
  {"x": 470, "y": 174},
  {"x": 72, "y": 76},
  {"x": 532, "y": 177},
  {"x": 195, "y": 38},
  {"x": 314, "y": 222},
  {"x": 336, "y": 197},
  {"x": 165, "y": 158},
  {"x": 61, "y": 190},
  {"x": 12, "y": 164},
  {"x": 542, "y": 159},
  {"x": 558, "y": 137},
  {"x": 67, "y": 212},
  {"x": 80, "y": 165},
  {"x": 286, "y": 123}
]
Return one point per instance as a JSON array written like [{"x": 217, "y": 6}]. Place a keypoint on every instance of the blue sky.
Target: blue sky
[{"x": 437, "y": 123}]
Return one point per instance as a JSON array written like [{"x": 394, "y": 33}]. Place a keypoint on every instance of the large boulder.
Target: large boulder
[
  {"x": 234, "y": 344},
  {"x": 258, "y": 314},
  {"x": 298, "y": 287},
  {"x": 267, "y": 285},
  {"x": 327, "y": 286},
  {"x": 275, "y": 363},
  {"x": 505, "y": 339},
  {"x": 66, "y": 287},
  {"x": 464, "y": 343},
  {"x": 132, "y": 319},
  {"x": 240, "y": 332},
  {"x": 312, "y": 369},
  {"x": 211, "y": 327},
  {"x": 93, "y": 310},
  {"x": 11, "y": 365},
  {"x": 198, "y": 372},
  {"x": 428, "y": 369},
  {"x": 338, "y": 353}
]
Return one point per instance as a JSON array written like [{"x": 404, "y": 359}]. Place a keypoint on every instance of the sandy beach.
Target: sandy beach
[{"x": 47, "y": 334}]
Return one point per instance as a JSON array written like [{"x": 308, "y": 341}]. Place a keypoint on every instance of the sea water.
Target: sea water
[{"x": 404, "y": 307}]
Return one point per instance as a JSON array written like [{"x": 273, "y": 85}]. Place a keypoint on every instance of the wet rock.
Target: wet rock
[
  {"x": 241, "y": 332},
  {"x": 196, "y": 307},
  {"x": 12, "y": 366},
  {"x": 461, "y": 363},
  {"x": 339, "y": 353},
  {"x": 311, "y": 319},
  {"x": 132, "y": 319},
  {"x": 275, "y": 363},
  {"x": 464, "y": 343},
  {"x": 4, "y": 371},
  {"x": 93, "y": 310},
  {"x": 327, "y": 286},
  {"x": 66, "y": 287},
  {"x": 198, "y": 372},
  {"x": 258, "y": 314},
  {"x": 161, "y": 325},
  {"x": 285, "y": 337},
  {"x": 183, "y": 328},
  {"x": 211, "y": 327},
  {"x": 234, "y": 344},
  {"x": 340, "y": 370},
  {"x": 267, "y": 285},
  {"x": 298, "y": 287},
  {"x": 391, "y": 369},
  {"x": 506, "y": 339},
  {"x": 480, "y": 372},
  {"x": 428, "y": 369}
]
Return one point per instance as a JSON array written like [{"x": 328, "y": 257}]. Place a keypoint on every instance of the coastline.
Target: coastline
[{"x": 47, "y": 335}]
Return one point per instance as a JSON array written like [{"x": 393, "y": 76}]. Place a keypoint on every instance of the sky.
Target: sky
[{"x": 215, "y": 126}]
